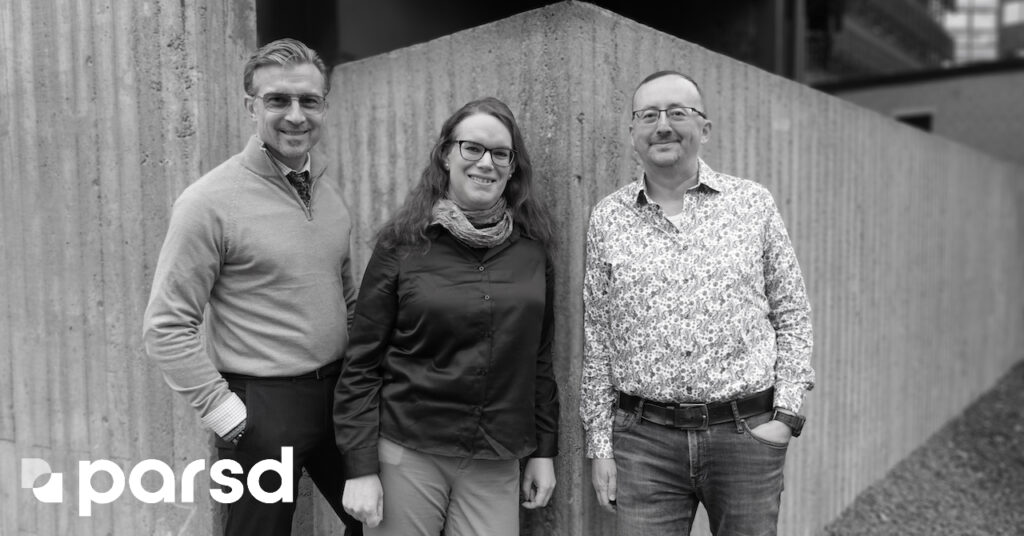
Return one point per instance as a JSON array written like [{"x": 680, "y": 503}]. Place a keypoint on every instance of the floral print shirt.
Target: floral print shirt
[{"x": 712, "y": 310}]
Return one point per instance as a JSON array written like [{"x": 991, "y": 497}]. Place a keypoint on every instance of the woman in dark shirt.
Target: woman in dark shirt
[{"x": 448, "y": 379}]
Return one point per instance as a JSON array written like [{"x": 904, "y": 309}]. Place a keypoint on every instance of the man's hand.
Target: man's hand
[
  {"x": 774, "y": 431},
  {"x": 603, "y": 477},
  {"x": 364, "y": 499},
  {"x": 538, "y": 482}
]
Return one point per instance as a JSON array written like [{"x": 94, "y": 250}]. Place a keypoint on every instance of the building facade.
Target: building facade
[{"x": 978, "y": 105}]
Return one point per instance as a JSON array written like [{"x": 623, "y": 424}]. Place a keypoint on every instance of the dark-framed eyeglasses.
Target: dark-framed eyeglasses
[
  {"x": 281, "y": 102},
  {"x": 473, "y": 151},
  {"x": 675, "y": 114}
]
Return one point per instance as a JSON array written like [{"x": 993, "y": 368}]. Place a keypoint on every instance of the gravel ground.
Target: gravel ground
[{"x": 968, "y": 479}]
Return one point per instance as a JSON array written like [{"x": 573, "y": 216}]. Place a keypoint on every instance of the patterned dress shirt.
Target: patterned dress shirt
[{"x": 712, "y": 310}]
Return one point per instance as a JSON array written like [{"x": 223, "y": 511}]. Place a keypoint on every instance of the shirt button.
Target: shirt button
[
  {"x": 487, "y": 296},
  {"x": 478, "y": 410},
  {"x": 481, "y": 268}
]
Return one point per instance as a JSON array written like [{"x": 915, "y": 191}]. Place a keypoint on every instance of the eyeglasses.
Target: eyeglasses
[
  {"x": 473, "y": 151},
  {"x": 281, "y": 102},
  {"x": 676, "y": 114}
]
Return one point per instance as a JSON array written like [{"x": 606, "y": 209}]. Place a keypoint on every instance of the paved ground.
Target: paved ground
[{"x": 967, "y": 480}]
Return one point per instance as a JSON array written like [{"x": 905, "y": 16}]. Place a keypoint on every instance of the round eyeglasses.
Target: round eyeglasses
[{"x": 473, "y": 151}]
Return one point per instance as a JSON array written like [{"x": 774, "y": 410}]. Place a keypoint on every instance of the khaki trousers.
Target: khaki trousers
[{"x": 425, "y": 494}]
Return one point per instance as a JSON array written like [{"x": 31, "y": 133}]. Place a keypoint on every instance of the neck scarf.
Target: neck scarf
[{"x": 495, "y": 223}]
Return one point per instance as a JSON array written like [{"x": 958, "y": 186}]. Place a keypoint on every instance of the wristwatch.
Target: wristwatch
[{"x": 794, "y": 422}]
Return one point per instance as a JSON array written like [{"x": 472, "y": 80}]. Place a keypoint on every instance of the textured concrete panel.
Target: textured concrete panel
[{"x": 110, "y": 110}]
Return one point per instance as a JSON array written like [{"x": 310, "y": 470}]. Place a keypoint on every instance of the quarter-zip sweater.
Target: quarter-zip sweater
[
  {"x": 451, "y": 354},
  {"x": 272, "y": 275}
]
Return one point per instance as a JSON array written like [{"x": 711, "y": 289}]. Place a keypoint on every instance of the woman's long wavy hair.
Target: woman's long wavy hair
[{"x": 407, "y": 228}]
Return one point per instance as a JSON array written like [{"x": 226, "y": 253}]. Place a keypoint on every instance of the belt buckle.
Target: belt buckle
[{"x": 688, "y": 410}]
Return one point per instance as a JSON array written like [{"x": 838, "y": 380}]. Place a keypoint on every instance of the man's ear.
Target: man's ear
[
  {"x": 705, "y": 131},
  {"x": 250, "y": 105}
]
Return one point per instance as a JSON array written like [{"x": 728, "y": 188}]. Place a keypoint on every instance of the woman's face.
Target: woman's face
[{"x": 477, "y": 184}]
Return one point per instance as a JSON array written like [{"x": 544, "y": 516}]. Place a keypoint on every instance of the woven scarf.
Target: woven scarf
[{"x": 495, "y": 223}]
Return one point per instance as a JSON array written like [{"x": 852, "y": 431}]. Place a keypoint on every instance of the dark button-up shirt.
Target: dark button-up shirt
[
  {"x": 709, "y": 311},
  {"x": 450, "y": 354}
]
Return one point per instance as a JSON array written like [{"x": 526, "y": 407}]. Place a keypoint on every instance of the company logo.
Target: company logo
[{"x": 52, "y": 490}]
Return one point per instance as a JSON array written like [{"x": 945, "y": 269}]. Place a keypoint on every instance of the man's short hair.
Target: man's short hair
[
  {"x": 283, "y": 52},
  {"x": 662, "y": 74}
]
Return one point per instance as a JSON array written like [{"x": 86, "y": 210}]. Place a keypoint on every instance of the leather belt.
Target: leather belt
[
  {"x": 698, "y": 416},
  {"x": 331, "y": 369}
]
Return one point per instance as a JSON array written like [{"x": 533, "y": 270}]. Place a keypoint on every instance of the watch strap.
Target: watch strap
[{"x": 794, "y": 422}]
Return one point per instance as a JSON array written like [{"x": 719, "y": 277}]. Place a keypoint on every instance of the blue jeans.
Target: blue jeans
[{"x": 662, "y": 474}]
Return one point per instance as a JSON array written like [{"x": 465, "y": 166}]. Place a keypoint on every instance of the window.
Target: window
[
  {"x": 919, "y": 119},
  {"x": 1013, "y": 13}
]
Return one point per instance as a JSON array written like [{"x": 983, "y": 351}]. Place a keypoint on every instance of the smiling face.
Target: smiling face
[
  {"x": 291, "y": 133},
  {"x": 477, "y": 185},
  {"x": 666, "y": 144}
]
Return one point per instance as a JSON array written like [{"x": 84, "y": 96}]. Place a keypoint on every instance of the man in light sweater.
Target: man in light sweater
[{"x": 257, "y": 258}]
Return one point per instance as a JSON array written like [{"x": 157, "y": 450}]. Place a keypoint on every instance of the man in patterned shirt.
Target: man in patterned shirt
[{"x": 698, "y": 334}]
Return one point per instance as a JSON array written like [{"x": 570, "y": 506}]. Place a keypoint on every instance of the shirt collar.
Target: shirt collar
[
  {"x": 285, "y": 170},
  {"x": 705, "y": 175}
]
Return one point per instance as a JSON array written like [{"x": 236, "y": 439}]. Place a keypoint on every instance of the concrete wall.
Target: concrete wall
[
  {"x": 910, "y": 244},
  {"x": 109, "y": 109},
  {"x": 983, "y": 110}
]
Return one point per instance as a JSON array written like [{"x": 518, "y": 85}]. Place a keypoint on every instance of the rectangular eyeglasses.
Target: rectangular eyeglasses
[
  {"x": 280, "y": 102},
  {"x": 675, "y": 114},
  {"x": 473, "y": 151}
]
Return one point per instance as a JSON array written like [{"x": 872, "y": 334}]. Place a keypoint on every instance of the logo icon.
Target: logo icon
[{"x": 52, "y": 490}]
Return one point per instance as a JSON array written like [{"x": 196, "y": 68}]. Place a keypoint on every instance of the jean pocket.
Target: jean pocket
[
  {"x": 623, "y": 420},
  {"x": 747, "y": 431}
]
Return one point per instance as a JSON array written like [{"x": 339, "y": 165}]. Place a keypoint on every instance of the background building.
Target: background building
[
  {"x": 974, "y": 26},
  {"x": 979, "y": 104},
  {"x": 858, "y": 38},
  {"x": 804, "y": 40},
  {"x": 1011, "y": 31}
]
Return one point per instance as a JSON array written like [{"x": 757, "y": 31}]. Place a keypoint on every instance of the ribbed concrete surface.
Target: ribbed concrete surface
[
  {"x": 109, "y": 110},
  {"x": 911, "y": 245}
]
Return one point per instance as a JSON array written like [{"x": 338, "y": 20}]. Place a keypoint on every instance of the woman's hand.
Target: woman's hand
[
  {"x": 538, "y": 482},
  {"x": 364, "y": 499}
]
